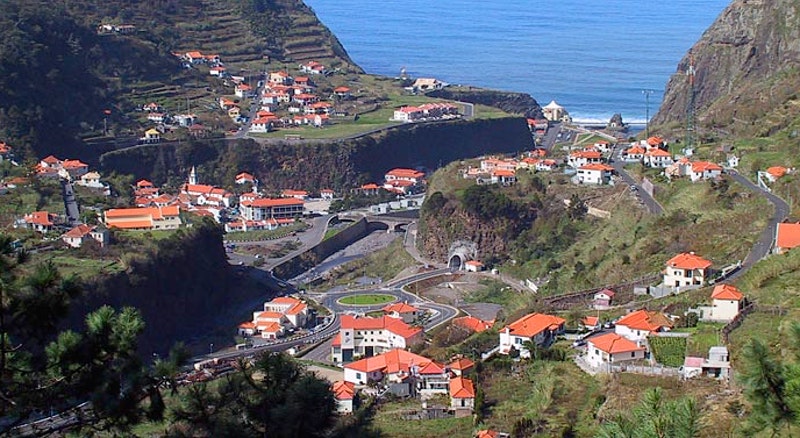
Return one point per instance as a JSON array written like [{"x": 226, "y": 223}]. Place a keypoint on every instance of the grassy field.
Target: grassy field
[
  {"x": 391, "y": 424},
  {"x": 259, "y": 235},
  {"x": 384, "y": 264},
  {"x": 366, "y": 300}
]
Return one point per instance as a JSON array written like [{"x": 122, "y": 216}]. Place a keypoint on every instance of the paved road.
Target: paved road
[
  {"x": 648, "y": 201},
  {"x": 551, "y": 136},
  {"x": 764, "y": 243},
  {"x": 70, "y": 203}
]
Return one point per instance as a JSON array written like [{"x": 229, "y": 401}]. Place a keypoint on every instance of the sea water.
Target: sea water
[{"x": 594, "y": 57}]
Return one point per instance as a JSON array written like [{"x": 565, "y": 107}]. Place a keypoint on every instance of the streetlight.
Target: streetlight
[
  {"x": 647, "y": 94},
  {"x": 210, "y": 349}
]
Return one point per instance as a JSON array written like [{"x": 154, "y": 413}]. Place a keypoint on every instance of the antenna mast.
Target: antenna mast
[{"x": 690, "y": 124}]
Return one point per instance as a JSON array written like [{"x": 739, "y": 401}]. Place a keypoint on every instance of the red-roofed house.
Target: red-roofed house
[
  {"x": 503, "y": 177},
  {"x": 590, "y": 322},
  {"x": 396, "y": 365},
  {"x": 313, "y": 68},
  {"x": 327, "y": 194},
  {"x": 5, "y": 151},
  {"x": 148, "y": 218},
  {"x": 370, "y": 336},
  {"x": 342, "y": 92},
  {"x": 603, "y": 298},
  {"x": 345, "y": 395},
  {"x": 726, "y": 302},
  {"x": 81, "y": 233},
  {"x": 787, "y": 236},
  {"x": 461, "y": 366},
  {"x": 611, "y": 348},
  {"x": 404, "y": 311},
  {"x": 414, "y": 176},
  {"x": 703, "y": 170},
  {"x": 271, "y": 208},
  {"x": 296, "y": 194},
  {"x": 636, "y": 326},
  {"x": 462, "y": 396},
  {"x": 244, "y": 178},
  {"x": 634, "y": 154},
  {"x": 473, "y": 266},
  {"x": 775, "y": 172},
  {"x": 279, "y": 315},
  {"x": 408, "y": 114},
  {"x": 40, "y": 221},
  {"x": 596, "y": 173},
  {"x": 473, "y": 324},
  {"x": 656, "y": 157},
  {"x": 581, "y": 158},
  {"x": 686, "y": 270},
  {"x": 535, "y": 327}
]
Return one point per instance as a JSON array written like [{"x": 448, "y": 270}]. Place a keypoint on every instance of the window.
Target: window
[
  {"x": 358, "y": 376},
  {"x": 633, "y": 354},
  {"x": 518, "y": 341}
]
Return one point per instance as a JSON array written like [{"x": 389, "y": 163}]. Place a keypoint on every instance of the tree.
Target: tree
[
  {"x": 275, "y": 396},
  {"x": 655, "y": 417},
  {"x": 44, "y": 370}
]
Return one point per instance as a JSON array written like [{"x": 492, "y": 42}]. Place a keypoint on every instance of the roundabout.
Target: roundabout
[{"x": 372, "y": 299}]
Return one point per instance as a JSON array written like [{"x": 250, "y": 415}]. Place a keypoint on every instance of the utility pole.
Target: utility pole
[{"x": 647, "y": 94}]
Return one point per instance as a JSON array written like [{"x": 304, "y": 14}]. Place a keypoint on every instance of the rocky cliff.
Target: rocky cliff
[
  {"x": 746, "y": 71},
  {"x": 515, "y": 103},
  {"x": 312, "y": 165}
]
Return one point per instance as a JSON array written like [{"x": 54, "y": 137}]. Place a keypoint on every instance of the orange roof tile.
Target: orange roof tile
[
  {"x": 534, "y": 323},
  {"x": 613, "y": 343},
  {"x": 462, "y": 364},
  {"x": 405, "y": 173},
  {"x": 431, "y": 368},
  {"x": 645, "y": 320},
  {"x": 272, "y": 327},
  {"x": 598, "y": 167},
  {"x": 461, "y": 387},
  {"x": 590, "y": 154},
  {"x": 777, "y": 171},
  {"x": 79, "y": 231},
  {"x": 726, "y": 292},
  {"x": 394, "y": 325},
  {"x": 269, "y": 315},
  {"x": 272, "y": 202},
  {"x": 655, "y": 141},
  {"x": 656, "y": 152},
  {"x": 337, "y": 340},
  {"x": 40, "y": 218},
  {"x": 488, "y": 433},
  {"x": 472, "y": 323},
  {"x": 787, "y": 236},
  {"x": 591, "y": 321},
  {"x": 705, "y": 166},
  {"x": 344, "y": 390},
  {"x": 503, "y": 172},
  {"x": 132, "y": 225},
  {"x": 392, "y": 361},
  {"x": 688, "y": 260},
  {"x": 400, "y": 308}
]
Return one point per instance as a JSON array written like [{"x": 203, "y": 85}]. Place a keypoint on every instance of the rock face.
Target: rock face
[{"x": 746, "y": 68}]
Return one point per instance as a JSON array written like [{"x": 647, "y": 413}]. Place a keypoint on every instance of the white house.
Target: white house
[
  {"x": 634, "y": 154},
  {"x": 579, "y": 159},
  {"x": 538, "y": 328},
  {"x": 462, "y": 395},
  {"x": 726, "y": 302},
  {"x": 597, "y": 174},
  {"x": 345, "y": 395},
  {"x": 602, "y": 299},
  {"x": 473, "y": 266},
  {"x": 686, "y": 270},
  {"x": 403, "y": 311},
  {"x": 703, "y": 170},
  {"x": 611, "y": 348},
  {"x": 637, "y": 326},
  {"x": 787, "y": 236},
  {"x": 656, "y": 157},
  {"x": 362, "y": 336},
  {"x": 81, "y": 233},
  {"x": 91, "y": 180}
]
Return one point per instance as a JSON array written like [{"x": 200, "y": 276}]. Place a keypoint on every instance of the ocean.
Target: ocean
[{"x": 594, "y": 57}]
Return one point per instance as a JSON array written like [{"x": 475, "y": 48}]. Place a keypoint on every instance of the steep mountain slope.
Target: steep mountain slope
[
  {"x": 746, "y": 71},
  {"x": 59, "y": 75}
]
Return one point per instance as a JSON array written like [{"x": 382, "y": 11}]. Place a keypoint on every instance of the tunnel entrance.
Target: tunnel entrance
[{"x": 456, "y": 262}]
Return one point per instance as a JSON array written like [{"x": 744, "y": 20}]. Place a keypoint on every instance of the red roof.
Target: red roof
[
  {"x": 726, "y": 292},
  {"x": 143, "y": 183},
  {"x": 688, "y": 260},
  {"x": 777, "y": 171},
  {"x": 462, "y": 364},
  {"x": 79, "y": 231},
  {"x": 391, "y": 362},
  {"x": 613, "y": 343},
  {"x": 473, "y": 324},
  {"x": 370, "y": 186},
  {"x": 788, "y": 236},
  {"x": 272, "y": 202},
  {"x": 245, "y": 176},
  {"x": 655, "y": 141},
  {"x": 503, "y": 173},
  {"x": 645, "y": 320},
  {"x": 591, "y": 321},
  {"x": 341, "y": 90},
  {"x": 608, "y": 292},
  {"x": 40, "y": 218},
  {"x": 400, "y": 308},
  {"x": 405, "y": 173},
  {"x": 344, "y": 390},
  {"x": 598, "y": 167},
  {"x": 534, "y": 323},
  {"x": 394, "y": 325},
  {"x": 705, "y": 166},
  {"x": 155, "y": 212},
  {"x": 656, "y": 152},
  {"x": 461, "y": 387}
]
